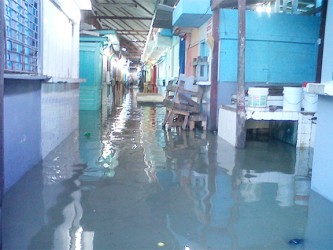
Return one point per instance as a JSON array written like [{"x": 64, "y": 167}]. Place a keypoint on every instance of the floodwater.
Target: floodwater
[{"x": 122, "y": 182}]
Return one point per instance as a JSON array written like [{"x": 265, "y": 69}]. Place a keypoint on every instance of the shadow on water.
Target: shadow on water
[{"x": 122, "y": 182}]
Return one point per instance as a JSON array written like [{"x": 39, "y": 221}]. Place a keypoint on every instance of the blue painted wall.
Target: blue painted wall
[
  {"x": 91, "y": 70},
  {"x": 191, "y": 13},
  {"x": 280, "y": 48},
  {"x": 22, "y": 128}
]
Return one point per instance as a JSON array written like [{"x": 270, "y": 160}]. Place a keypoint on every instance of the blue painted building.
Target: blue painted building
[
  {"x": 91, "y": 61},
  {"x": 281, "y": 49}
]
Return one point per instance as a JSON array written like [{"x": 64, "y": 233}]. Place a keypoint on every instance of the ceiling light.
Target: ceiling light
[
  {"x": 123, "y": 49},
  {"x": 264, "y": 8}
]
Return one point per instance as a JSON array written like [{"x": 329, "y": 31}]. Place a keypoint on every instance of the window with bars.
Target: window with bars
[{"x": 22, "y": 32}]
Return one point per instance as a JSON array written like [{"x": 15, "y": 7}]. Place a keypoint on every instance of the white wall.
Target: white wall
[
  {"x": 175, "y": 57},
  {"x": 59, "y": 114},
  {"x": 322, "y": 173},
  {"x": 60, "y": 39},
  {"x": 60, "y": 42}
]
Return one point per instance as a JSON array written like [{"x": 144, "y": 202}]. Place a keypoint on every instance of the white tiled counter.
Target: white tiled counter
[{"x": 305, "y": 131}]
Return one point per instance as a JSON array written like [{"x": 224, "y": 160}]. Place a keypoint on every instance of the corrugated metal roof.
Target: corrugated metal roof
[{"x": 133, "y": 19}]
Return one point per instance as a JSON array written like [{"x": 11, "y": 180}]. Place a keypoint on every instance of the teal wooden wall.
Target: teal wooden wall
[
  {"x": 280, "y": 48},
  {"x": 91, "y": 70}
]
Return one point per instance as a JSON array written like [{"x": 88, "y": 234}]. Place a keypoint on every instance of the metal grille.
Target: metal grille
[{"x": 22, "y": 19}]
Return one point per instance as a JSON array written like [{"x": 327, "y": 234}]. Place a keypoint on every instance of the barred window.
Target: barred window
[{"x": 22, "y": 26}]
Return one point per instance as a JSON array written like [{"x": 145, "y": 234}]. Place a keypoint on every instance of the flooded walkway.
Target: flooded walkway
[{"x": 121, "y": 182}]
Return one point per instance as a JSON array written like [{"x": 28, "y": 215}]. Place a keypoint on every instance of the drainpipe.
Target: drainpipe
[
  {"x": 2, "y": 63},
  {"x": 240, "y": 116},
  {"x": 212, "y": 123}
]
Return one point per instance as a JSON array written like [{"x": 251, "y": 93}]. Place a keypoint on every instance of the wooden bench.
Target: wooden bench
[
  {"x": 198, "y": 118},
  {"x": 180, "y": 105}
]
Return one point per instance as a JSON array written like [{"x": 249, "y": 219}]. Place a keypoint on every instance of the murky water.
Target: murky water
[{"x": 121, "y": 182}]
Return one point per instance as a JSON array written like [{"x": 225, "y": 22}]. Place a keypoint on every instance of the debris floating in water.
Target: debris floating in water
[
  {"x": 87, "y": 134},
  {"x": 160, "y": 244},
  {"x": 296, "y": 241}
]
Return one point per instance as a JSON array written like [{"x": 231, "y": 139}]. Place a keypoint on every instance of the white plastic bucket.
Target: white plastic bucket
[
  {"x": 292, "y": 98},
  {"x": 309, "y": 102},
  {"x": 257, "y": 97}
]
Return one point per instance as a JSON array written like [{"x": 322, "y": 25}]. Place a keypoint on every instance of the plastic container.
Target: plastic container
[
  {"x": 309, "y": 102},
  {"x": 257, "y": 98},
  {"x": 292, "y": 98}
]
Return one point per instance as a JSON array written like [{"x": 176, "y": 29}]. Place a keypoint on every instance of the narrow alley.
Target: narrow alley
[{"x": 122, "y": 182}]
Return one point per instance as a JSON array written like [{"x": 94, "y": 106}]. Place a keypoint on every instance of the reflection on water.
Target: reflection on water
[{"x": 122, "y": 182}]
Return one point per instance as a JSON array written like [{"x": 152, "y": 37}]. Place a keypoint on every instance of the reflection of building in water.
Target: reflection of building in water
[
  {"x": 61, "y": 221},
  {"x": 152, "y": 140},
  {"x": 177, "y": 162},
  {"x": 96, "y": 154},
  {"x": 265, "y": 179},
  {"x": 187, "y": 156},
  {"x": 250, "y": 188},
  {"x": 287, "y": 168},
  {"x": 100, "y": 132}
]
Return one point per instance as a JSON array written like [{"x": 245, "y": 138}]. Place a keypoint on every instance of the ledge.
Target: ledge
[
  {"x": 203, "y": 83},
  {"x": 320, "y": 88},
  {"x": 65, "y": 80},
  {"x": 30, "y": 77}
]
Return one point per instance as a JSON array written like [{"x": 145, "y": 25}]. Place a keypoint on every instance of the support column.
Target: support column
[
  {"x": 212, "y": 125},
  {"x": 294, "y": 6},
  {"x": 240, "y": 118},
  {"x": 276, "y": 6},
  {"x": 285, "y": 2},
  {"x": 327, "y": 62},
  {"x": 322, "y": 33}
]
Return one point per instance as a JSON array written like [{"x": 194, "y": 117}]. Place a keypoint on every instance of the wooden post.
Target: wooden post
[
  {"x": 2, "y": 63},
  {"x": 240, "y": 118},
  {"x": 322, "y": 38},
  {"x": 212, "y": 124}
]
